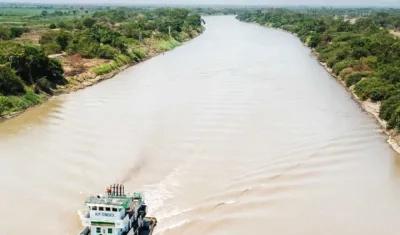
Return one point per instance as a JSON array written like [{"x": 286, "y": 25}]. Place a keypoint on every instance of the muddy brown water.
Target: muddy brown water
[{"x": 239, "y": 130}]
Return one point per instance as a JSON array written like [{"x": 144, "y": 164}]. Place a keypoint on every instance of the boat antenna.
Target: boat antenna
[
  {"x": 117, "y": 190},
  {"x": 123, "y": 190},
  {"x": 108, "y": 190}
]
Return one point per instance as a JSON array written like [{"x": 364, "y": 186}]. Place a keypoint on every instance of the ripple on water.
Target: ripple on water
[{"x": 238, "y": 131}]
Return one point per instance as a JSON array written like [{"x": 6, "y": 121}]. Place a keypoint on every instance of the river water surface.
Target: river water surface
[{"x": 239, "y": 130}]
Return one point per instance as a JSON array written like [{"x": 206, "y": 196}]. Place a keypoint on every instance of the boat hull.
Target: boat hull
[
  {"x": 148, "y": 228},
  {"x": 149, "y": 225}
]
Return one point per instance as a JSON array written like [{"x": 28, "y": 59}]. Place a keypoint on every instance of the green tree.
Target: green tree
[
  {"x": 62, "y": 25},
  {"x": 31, "y": 63},
  {"x": 89, "y": 22},
  {"x": 10, "y": 83},
  {"x": 62, "y": 38}
]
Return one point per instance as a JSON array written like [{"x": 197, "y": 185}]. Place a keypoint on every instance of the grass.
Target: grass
[
  {"x": 168, "y": 45},
  {"x": 104, "y": 68},
  {"x": 11, "y": 104},
  {"x": 136, "y": 55},
  {"x": 32, "y": 16},
  {"x": 119, "y": 61}
]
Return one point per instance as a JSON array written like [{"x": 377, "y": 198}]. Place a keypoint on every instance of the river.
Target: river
[{"x": 239, "y": 130}]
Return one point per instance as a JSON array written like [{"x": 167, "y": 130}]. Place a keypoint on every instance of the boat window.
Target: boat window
[
  {"x": 110, "y": 230},
  {"x": 98, "y": 230},
  {"x": 107, "y": 208},
  {"x": 114, "y": 209},
  {"x": 101, "y": 208},
  {"x": 94, "y": 208}
]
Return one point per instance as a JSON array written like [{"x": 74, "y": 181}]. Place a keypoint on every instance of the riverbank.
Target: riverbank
[
  {"x": 88, "y": 77},
  {"x": 371, "y": 108}
]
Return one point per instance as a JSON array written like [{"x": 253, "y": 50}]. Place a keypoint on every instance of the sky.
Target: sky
[{"x": 393, "y": 3}]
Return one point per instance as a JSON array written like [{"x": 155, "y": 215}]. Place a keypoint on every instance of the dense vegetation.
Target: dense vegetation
[
  {"x": 116, "y": 36},
  {"x": 362, "y": 53}
]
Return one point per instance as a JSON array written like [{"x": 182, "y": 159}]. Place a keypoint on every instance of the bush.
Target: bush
[
  {"x": 54, "y": 38},
  {"x": 353, "y": 78},
  {"x": 331, "y": 62},
  {"x": 394, "y": 121},
  {"x": 373, "y": 88},
  {"x": 85, "y": 48},
  {"x": 314, "y": 40},
  {"x": 44, "y": 85},
  {"x": 79, "y": 25},
  {"x": 5, "y": 33},
  {"x": 139, "y": 53},
  {"x": 5, "y": 105},
  {"x": 133, "y": 57},
  {"x": 51, "y": 48},
  {"x": 52, "y": 26},
  {"x": 48, "y": 37},
  {"x": 345, "y": 72},
  {"x": 103, "y": 69},
  {"x": 390, "y": 72},
  {"x": 62, "y": 25},
  {"x": 123, "y": 59},
  {"x": 106, "y": 52},
  {"x": 342, "y": 53},
  {"x": 358, "y": 52},
  {"x": 17, "y": 31},
  {"x": 89, "y": 22},
  {"x": 9, "y": 104},
  {"x": 62, "y": 38},
  {"x": 369, "y": 62},
  {"x": 32, "y": 97},
  {"x": 342, "y": 65},
  {"x": 54, "y": 72},
  {"x": 10, "y": 83},
  {"x": 388, "y": 107},
  {"x": 168, "y": 45}
]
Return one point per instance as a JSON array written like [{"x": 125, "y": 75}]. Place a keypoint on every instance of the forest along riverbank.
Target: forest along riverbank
[
  {"x": 39, "y": 63},
  {"x": 360, "y": 55}
]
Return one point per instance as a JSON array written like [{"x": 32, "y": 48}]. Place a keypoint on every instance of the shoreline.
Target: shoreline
[
  {"x": 371, "y": 108},
  {"x": 70, "y": 88}
]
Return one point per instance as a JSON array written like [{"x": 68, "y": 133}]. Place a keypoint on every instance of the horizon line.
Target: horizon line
[{"x": 200, "y": 5}]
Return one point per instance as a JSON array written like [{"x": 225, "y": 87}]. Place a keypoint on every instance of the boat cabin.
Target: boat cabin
[{"x": 114, "y": 213}]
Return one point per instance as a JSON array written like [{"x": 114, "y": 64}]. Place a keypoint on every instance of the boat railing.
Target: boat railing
[
  {"x": 83, "y": 213},
  {"x": 84, "y": 231},
  {"x": 85, "y": 217}
]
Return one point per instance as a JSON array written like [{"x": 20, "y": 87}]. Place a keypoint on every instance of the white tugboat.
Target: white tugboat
[{"x": 116, "y": 213}]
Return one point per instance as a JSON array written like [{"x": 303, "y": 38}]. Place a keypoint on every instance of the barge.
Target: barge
[{"x": 116, "y": 213}]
